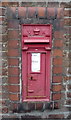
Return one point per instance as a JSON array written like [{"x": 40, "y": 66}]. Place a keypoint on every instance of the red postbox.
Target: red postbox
[{"x": 36, "y": 62}]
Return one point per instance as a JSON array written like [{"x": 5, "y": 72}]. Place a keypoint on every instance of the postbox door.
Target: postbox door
[{"x": 36, "y": 81}]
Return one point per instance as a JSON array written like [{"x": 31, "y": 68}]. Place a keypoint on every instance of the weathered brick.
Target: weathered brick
[
  {"x": 4, "y": 110},
  {"x": 9, "y": 4},
  {"x": 57, "y": 52},
  {"x": 39, "y": 106},
  {"x": 31, "y": 106},
  {"x": 56, "y": 116},
  {"x": 69, "y": 71},
  {"x": 4, "y": 88},
  {"x": 31, "y": 12},
  {"x": 50, "y": 4},
  {"x": 14, "y": 97},
  {"x": 58, "y": 43},
  {"x": 22, "y": 12},
  {"x": 57, "y": 61},
  {"x": 50, "y": 12},
  {"x": 11, "y": 12},
  {"x": 13, "y": 43},
  {"x": 69, "y": 86},
  {"x": 58, "y": 35},
  {"x": 56, "y": 105},
  {"x": 67, "y": 21},
  {"x": 67, "y": 13},
  {"x": 65, "y": 4},
  {"x": 13, "y": 24},
  {"x": 13, "y": 34},
  {"x": 69, "y": 94},
  {"x": 41, "y": 12},
  {"x": 13, "y": 88},
  {"x": 13, "y": 80},
  {"x": 68, "y": 101},
  {"x": 56, "y": 96},
  {"x": 5, "y": 95},
  {"x": 60, "y": 13},
  {"x": 56, "y": 88},
  {"x": 57, "y": 79},
  {"x": 13, "y": 71},
  {"x": 13, "y": 53},
  {"x": 57, "y": 70},
  {"x": 5, "y": 71},
  {"x": 13, "y": 62}
]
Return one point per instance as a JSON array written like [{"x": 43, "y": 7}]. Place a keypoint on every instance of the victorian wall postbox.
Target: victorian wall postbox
[{"x": 36, "y": 50}]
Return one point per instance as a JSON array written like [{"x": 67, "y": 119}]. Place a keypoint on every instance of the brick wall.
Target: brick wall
[{"x": 12, "y": 17}]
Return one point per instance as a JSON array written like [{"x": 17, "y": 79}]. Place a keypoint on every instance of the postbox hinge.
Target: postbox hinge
[
  {"x": 47, "y": 48},
  {"x": 25, "y": 48}
]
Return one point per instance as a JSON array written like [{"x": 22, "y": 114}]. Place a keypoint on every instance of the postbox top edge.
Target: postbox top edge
[{"x": 37, "y": 25}]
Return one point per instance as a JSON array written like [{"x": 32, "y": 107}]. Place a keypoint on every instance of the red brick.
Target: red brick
[
  {"x": 56, "y": 105},
  {"x": 4, "y": 88},
  {"x": 41, "y": 12},
  {"x": 56, "y": 96},
  {"x": 1, "y": 38},
  {"x": 67, "y": 13},
  {"x": 9, "y": 4},
  {"x": 57, "y": 52},
  {"x": 5, "y": 110},
  {"x": 4, "y": 38},
  {"x": 50, "y": 12},
  {"x": 65, "y": 4},
  {"x": 58, "y": 43},
  {"x": 13, "y": 71},
  {"x": 57, "y": 70},
  {"x": 13, "y": 80},
  {"x": 0, "y": 11},
  {"x": 57, "y": 79},
  {"x": 5, "y": 95},
  {"x": 69, "y": 86},
  {"x": 67, "y": 30},
  {"x": 56, "y": 88},
  {"x": 60, "y": 13},
  {"x": 68, "y": 101},
  {"x": 53, "y": 4},
  {"x": 13, "y": 34},
  {"x": 58, "y": 34},
  {"x": 22, "y": 11},
  {"x": 4, "y": 71},
  {"x": 13, "y": 24},
  {"x": 31, "y": 106},
  {"x": 56, "y": 116},
  {"x": 14, "y": 97},
  {"x": 69, "y": 94},
  {"x": 13, "y": 88},
  {"x": 0, "y": 4},
  {"x": 31, "y": 11},
  {"x": 67, "y": 21},
  {"x": 57, "y": 61},
  {"x": 66, "y": 78},
  {"x": 62, "y": 23},
  {"x": 39, "y": 106},
  {"x": 13, "y": 61},
  {"x": 2, "y": 19},
  {"x": 13, "y": 9},
  {"x": 13, "y": 52},
  {"x": 13, "y": 43}
]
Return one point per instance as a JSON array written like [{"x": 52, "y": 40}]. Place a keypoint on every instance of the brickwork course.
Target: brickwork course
[{"x": 12, "y": 16}]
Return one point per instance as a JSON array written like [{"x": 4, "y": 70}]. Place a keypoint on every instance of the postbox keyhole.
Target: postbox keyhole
[{"x": 31, "y": 78}]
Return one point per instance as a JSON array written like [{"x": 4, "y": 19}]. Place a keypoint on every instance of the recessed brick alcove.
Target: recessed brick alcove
[{"x": 59, "y": 97}]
